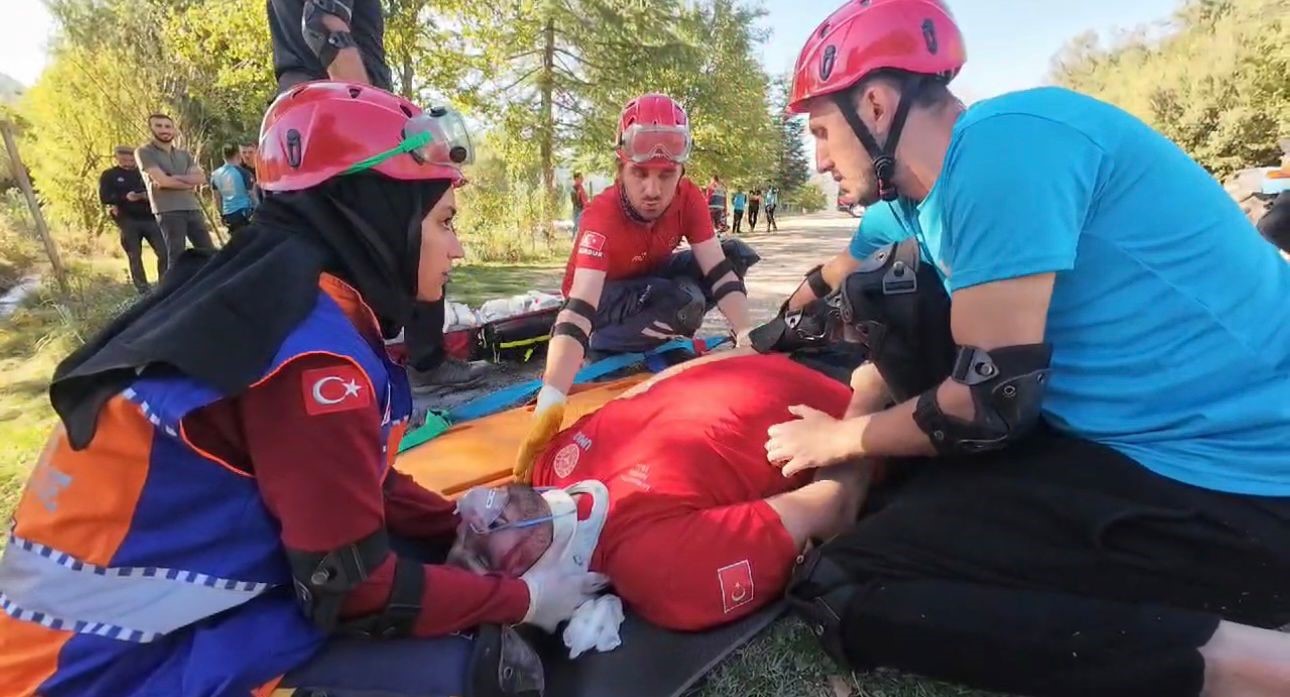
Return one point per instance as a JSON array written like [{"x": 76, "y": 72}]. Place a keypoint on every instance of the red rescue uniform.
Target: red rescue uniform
[
  {"x": 610, "y": 241},
  {"x": 689, "y": 541}
]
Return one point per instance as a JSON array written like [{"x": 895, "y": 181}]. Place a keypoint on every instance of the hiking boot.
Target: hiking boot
[{"x": 451, "y": 374}]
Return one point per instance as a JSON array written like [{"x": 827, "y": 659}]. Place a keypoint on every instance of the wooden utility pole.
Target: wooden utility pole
[{"x": 20, "y": 171}]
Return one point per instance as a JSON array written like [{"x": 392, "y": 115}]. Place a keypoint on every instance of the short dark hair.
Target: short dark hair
[
  {"x": 159, "y": 115},
  {"x": 577, "y": 175},
  {"x": 231, "y": 149},
  {"x": 123, "y": 150},
  {"x": 934, "y": 93}
]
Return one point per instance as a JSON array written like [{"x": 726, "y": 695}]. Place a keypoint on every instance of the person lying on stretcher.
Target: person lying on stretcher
[{"x": 667, "y": 490}]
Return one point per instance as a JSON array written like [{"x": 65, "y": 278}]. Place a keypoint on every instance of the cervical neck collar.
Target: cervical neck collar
[{"x": 573, "y": 541}]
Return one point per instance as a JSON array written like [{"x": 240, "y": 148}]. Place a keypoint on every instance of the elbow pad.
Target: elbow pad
[
  {"x": 322, "y": 580},
  {"x": 1007, "y": 386},
  {"x": 584, "y": 310},
  {"x": 714, "y": 276},
  {"x": 322, "y": 41}
]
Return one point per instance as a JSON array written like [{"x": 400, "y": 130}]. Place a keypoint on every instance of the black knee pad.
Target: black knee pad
[
  {"x": 820, "y": 591},
  {"x": 901, "y": 311},
  {"x": 742, "y": 256},
  {"x": 503, "y": 664},
  {"x": 690, "y": 316}
]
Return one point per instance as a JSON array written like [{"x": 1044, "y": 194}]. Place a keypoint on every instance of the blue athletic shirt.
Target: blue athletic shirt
[
  {"x": 1170, "y": 315},
  {"x": 740, "y": 201},
  {"x": 879, "y": 226},
  {"x": 231, "y": 185}
]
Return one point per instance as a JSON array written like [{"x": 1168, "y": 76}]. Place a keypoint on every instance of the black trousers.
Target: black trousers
[
  {"x": 752, "y": 216},
  {"x": 1056, "y": 566},
  {"x": 672, "y": 301},
  {"x": 133, "y": 233},
  {"x": 236, "y": 221}
]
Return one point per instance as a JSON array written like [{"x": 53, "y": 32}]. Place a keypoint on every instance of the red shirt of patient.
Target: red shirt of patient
[
  {"x": 608, "y": 240},
  {"x": 689, "y": 542}
]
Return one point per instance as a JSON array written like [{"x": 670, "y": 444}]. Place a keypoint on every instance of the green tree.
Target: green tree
[
  {"x": 204, "y": 62},
  {"x": 1214, "y": 81},
  {"x": 539, "y": 63},
  {"x": 792, "y": 164},
  {"x": 712, "y": 70}
]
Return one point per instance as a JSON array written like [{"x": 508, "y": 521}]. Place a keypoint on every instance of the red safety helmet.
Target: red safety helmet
[
  {"x": 919, "y": 37},
  {"x": 654, "y": 130},
  {"x": 319, "y": 130},
  {"x": 862, "y": 36}
]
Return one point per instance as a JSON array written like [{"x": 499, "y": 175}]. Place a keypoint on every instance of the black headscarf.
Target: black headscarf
[{"x": 220, "y": 317}]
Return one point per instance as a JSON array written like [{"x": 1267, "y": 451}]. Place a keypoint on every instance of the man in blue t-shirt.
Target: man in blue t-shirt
[
  {"x": 739, "y": 203},
  {"x": 233, "y": 197},
  {"x": 1091, "y": 457}
]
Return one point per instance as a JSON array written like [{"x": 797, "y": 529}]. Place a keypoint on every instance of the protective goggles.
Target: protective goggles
[
  {"x": 437, "y": 136},
  {"x": 642, "y": 143},
  {"x": 481, "y": 509}
]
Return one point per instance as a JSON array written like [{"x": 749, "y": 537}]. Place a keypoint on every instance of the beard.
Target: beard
[{"x": 865, "y": 192}]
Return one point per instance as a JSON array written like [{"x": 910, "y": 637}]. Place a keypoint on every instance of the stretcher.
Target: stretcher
[
  {"x": 482, "y": 451},
  {"x": 651, "y": 662}
]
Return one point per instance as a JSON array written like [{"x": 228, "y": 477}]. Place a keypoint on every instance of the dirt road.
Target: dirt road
[{"x": 800, "y": 243}]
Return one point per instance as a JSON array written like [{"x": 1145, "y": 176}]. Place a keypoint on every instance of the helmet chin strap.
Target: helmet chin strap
[
  {"x": 629, "y": 209},
  {"x": 884, "y": 158}
]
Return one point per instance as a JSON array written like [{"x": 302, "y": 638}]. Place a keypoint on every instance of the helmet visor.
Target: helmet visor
[
  {"x": 437, "y": 136},
  {"x": 641, "y": 143}
]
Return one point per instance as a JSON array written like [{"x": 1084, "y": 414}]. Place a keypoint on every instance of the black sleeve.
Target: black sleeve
[
  {"x": 108, "y": 194},
  {"x": 1275, "y": 224},
  {"x": 295, "y": 62}
]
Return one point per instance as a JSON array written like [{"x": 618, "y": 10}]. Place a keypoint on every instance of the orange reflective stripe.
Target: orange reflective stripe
[
  {"x": 351, "y": 303},
  {"x": 28, "y": 655},
  {"x": 83, "y": 502},
  {"x": 270, "y": 689},
  {"x": 392, "y": 443}
]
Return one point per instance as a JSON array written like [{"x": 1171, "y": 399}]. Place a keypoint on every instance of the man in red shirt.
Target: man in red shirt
[
  {"x": 626, "y": 289},
  {"x": 698, "y": 528},
  {"x": 580, "y": 200}
]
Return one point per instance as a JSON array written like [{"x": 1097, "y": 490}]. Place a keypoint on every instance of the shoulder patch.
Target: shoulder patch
[
  {"x": 336, "y": 389},
  {"x": 593, "y": 241}
]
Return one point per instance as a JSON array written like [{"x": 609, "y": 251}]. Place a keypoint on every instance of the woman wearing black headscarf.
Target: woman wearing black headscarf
[{"x": 212, "y": 515}]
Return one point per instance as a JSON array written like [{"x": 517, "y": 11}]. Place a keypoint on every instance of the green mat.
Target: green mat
[{"x": 434, "y": 425}]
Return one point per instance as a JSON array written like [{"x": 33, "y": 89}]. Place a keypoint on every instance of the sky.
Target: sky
[{"x": 1009, "y": 41}]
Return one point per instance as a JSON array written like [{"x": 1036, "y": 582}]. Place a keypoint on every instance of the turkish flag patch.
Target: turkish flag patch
[
  {"x": 736, "y": 585},
  {"x": 329, "y": 390},
  {"x": 593, "y": 241}
]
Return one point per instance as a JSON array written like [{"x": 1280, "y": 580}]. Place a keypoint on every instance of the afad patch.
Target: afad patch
[
  {"x": 331, "y": 390},
  {"x": 592, "y": 244},
  {"x": 565, "y": 460},
  {"x": 736, "y": 585}
]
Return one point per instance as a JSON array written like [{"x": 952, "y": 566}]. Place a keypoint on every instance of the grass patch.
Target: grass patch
[
  {"x": 477, "y": 283},
  {"x": 32, "y": 342},
  {"x": 786, "y": 661}
]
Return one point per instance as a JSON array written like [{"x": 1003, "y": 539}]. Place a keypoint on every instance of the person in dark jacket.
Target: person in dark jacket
[{"x": 121, "y": 189}]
